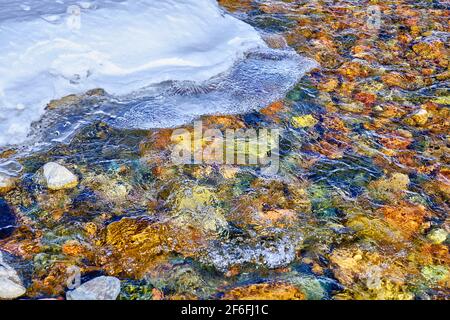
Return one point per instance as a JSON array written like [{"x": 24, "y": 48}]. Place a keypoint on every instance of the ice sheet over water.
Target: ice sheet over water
[{"x": 164, "y": 62}]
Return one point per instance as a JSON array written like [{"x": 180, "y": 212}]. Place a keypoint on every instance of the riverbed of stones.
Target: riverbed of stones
[{"x": 358, "y": 210}]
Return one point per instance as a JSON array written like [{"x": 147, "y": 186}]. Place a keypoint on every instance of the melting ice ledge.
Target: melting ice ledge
[{"x": 163, "y": 62}]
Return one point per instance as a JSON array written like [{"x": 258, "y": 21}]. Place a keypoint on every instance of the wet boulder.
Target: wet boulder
[
  {"x": 11, "y": 286},
  {"x": 58, "y": 177},
  {"x": 7, "y": 183},
  {"x": 100, "y": 288}
]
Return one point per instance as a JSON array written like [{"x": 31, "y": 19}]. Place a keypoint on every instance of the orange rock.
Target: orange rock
[
  {"x": 405, "y": 38},
  {"x": 430, "y": 50},
  {"x": 360, "y": 49},
  {"x": 329, "y": 150},
  {"x": 334, "y": 122},
  {"x": 135, "y": 245},
  {"x": 7, "y": 184},
  {"x": 353, "y": 70},
  {"x": 272, "y": 110},
  {"x": 427, "y": 71},
  {"x": 233, "y": 271},
  {"x": 280, "y": 217},
  {"x": 390, "y": 110},
  {"x": 432, "y": 254},
  {"x": 162, "y": 139},
  {"x": 279, "y": 214},
  {"x": 265, "y": 291},
  {"x": 222, "y": 122},
  {"x": 73, "y": 248},
  {"x": 408, "y": 158},
  {"x": 236, "y": 5},
  {"x": 329, "y": 85},
  {"x": 407, "y": 218},
  {"x": 367, "y": 98},
  {"x": 7, "y": 153},
  {"x": 394, "y": 79},
  {"x": 157, "y": 294},
  {"x": 51, "y": 282},
  {"x": 181, "y": 297},
  {"x": 395, "y": 142}
]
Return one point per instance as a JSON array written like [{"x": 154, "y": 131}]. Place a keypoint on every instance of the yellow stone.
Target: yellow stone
[
  {"x": 196, "y": 197},
  {"x": 6, "y": 184},
  {"x": 437, "y": 236},
  {"x": 304, "y": 121},
  {"x": 420, "y": 117},
  {"x": 442, "y": 100},
  {"x": 265, "y": 291}
]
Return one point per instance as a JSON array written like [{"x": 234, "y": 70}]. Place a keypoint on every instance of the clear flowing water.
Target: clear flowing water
[{"x": 357, "y": 210}]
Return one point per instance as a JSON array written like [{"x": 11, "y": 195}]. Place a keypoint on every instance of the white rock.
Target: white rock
[
  {"x": 7, "y": 183},
  {"x": 420, "y": 117},
  {"x": 10, "y": 284},
  {"x": 58, "y": 177},
  {"x": 438, "y": 236},
  {"x": 101, "y": 288}
]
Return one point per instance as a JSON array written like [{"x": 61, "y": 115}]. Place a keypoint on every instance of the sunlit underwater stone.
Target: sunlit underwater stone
[
  {"x": 265, "y": 291},
  {"x": 58, "y": 177},
  {"x": 269, "y": 254},
  {"x": 7, "y": 183},
  {"x": 101, "y": 288},
  {"x": 11, "y": 286}
]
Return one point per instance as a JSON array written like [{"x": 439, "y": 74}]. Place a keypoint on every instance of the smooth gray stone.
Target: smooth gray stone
[{"x": 101, "y": 288}]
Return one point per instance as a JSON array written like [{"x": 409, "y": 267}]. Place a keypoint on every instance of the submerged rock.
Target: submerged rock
[
  {"x": 7, "y": 220},
  {"x": 436, "y": 274},
  {"x": 418, "y": 118},
  {"x": 391, "y": 188},
  {"x": 58, "y": 177},
  {"x": 265, "y": 291},
  {"x": 7, "y": 183},
  {"x": 268, "y": 254},
  {"x": 430, "y": 50},
  {"x": 11, "y": 286},
  {"x": 437, "y": 236},
  {"x": 366, "y": 275},
  {"x": 198, "y": 207},
  {"x": 101, "y": 288},
  {"x": 407, "y": 218},
  {"x": 108, "y": 188},
  {"x": 181, "y": 280},
  {"x": 304, "y": 121},
  {"x": 136, "y": 245}
]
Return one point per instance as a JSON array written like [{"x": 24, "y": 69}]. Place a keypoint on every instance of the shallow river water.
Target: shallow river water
[{"x": 358, "y": 91}]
